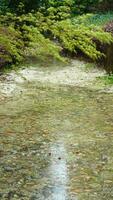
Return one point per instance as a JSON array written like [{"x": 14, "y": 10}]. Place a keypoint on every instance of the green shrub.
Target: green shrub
[
  {"x": 34, "y": 34},
  {"x": 38, "y": 45},
  {"x": 10, "y": 46},
  {"x": 79, "y": 37}
]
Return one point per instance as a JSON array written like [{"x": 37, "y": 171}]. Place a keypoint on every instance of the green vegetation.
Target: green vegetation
[
  {"x": 107, "y": 80},
  {"x": 47, "y": 29},
  {"x": 10, "y": 45},
  {"x": 97, "y": 19}
]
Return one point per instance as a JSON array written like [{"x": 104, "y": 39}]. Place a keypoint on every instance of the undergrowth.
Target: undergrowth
[
  {"x": 107, "y": 80},
  {"x": 46, "y": 37},
  {"x": 99, "y": 19}
]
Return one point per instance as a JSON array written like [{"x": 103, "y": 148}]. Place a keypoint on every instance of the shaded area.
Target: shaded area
[{"x": 56, "y": 144}]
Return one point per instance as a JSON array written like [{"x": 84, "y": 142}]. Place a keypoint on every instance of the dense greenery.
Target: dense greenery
[
  {"x": 97, "y": 19},
  {"x": 77, "y": 6},
  {"x": 47, "y": 29}
]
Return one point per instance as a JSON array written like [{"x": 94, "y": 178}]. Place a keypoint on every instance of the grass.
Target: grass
[
  {"x": 107, "y": 80},
  {"x": 99, "y": 19}
]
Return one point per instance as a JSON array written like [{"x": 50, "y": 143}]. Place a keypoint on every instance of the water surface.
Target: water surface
[{"x": 56, "y": 143}]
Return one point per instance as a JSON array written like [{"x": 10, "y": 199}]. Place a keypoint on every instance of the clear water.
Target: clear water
[{"x": 56, "y": 143}]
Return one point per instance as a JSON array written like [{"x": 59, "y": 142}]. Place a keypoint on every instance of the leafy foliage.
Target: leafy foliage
[
  {"x": 39, "y": 45},
  {"x": 76, "y": 6},
  {"x": 85, "y": 6},
  {"x": 10, "y": 46},
  {"x": 3, "y": 6},
  {"x": 45, "y": 29},
  {"x": 71, "y": 38},
  {"x": 93, "y": 19}
]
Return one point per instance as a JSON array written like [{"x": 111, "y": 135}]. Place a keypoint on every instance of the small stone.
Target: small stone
[{"x": 8, "y": 169}]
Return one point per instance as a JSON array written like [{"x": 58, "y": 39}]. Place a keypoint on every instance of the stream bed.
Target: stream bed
[{"x": 56, "y": 138}]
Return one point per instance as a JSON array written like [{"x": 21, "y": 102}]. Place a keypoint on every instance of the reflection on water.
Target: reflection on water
[{"x": 58, "y": 171}]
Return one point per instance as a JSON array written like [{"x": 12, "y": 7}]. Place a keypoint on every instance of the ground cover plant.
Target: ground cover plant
[{"x": 49, "y": 28}]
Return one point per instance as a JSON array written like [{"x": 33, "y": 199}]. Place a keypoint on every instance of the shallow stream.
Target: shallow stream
[{"x": 56, "y": 142}]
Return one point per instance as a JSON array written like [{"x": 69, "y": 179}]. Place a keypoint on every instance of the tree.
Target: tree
[
  {"x": 3, "y": 6},
  {"x": 84, "y": 6}
]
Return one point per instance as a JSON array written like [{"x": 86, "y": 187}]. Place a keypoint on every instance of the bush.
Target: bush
[
  {"x": 79, "y": 37},
  {"x": 37, "y": 35},
  {"x": 10, "y": 46}
]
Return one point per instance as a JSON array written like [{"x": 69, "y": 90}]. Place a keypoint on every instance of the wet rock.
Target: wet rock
[{"x": 8, "y": 169}]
